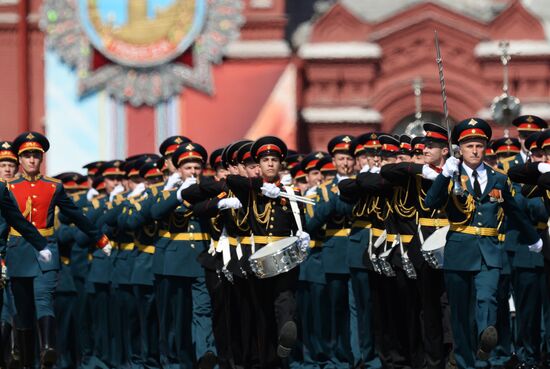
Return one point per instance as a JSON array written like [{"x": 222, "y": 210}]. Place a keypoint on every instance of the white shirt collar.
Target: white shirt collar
[{"x": 481, "y": 172}]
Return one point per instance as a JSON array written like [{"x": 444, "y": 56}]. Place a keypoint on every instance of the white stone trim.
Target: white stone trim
[
  {"x": 9, "y": 18},
  {"x": 340, "y": 50},
  {"x": 350, "y": 114},
  {"x": 539, "y": 109},
  {"x": 489, "y": 49},
  {"x": 263, "y": 49}
]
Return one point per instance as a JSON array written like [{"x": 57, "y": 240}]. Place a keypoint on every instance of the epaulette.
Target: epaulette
[
  {"x": 498, "y": 170},
  {"x": 95, "y": 203},
  {"x": 51, "y": 179},
  {"x": 335, "y": 189},
  {"x": 155, "y": 188},
  {"x": 324, "y": 192},
  {"x": 165, "y": 194}
]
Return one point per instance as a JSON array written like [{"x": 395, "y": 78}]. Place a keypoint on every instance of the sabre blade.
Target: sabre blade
[{"x": 439, "y": 61}]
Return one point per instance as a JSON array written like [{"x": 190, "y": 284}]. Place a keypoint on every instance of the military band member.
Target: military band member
[
  {"x": 270, "y": 218},
  {"x": 473, "y": 259},
  {"x": 33, "y": 279},
  {"x": 415, "y": 179}
]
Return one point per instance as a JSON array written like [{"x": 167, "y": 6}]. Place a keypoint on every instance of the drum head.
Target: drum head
[
  {"x": 437, "y": 240},
  {"x": 273, "y": 247}
]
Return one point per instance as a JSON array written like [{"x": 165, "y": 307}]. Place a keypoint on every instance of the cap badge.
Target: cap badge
[{"x": 472, "y": 122}]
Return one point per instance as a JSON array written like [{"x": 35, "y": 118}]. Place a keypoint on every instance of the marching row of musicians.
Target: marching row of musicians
[{"x": 147, "y": 262}]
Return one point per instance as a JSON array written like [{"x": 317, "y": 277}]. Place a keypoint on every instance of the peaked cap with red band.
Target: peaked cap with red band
[
  {"x": 229, "y": 155},
  {"x": 471, "y": 128},
  {"x": 30, "y": 141},
  {"x": 390, "y": 145},
  {"x": 531, "y": 142},
  {"x": 268, "y": 146},
  {"x": 529, "y": 123},
  {"x": 506, "y": 146},
  {"x": 326, "y": 166},
  {"x": 216, "y": 158},
  {"x": 435, "y": 133},
  {"x": 544, "y": 139},
  {"x": 340, "y": 145},
  {"x": 93, "y": 167},
  {"x": 190, "y": 151},
  {"x": 418, "y": 145},
  {"x": 244, "y": 156},
  {"x": 309, "y": 163},
  {"x": 150, "y": 170},
  {"x": 113, "y": 168},
  {"x": 7, "y": 153},
  {"x": 168, "y": 146}
]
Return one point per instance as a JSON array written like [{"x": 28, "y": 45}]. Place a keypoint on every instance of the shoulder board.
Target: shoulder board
[
  {"x": 334, "y": 189},
  {"x": 165, "y": 194},
  {"x": 324, "y": 192},
  {"x": 51, "y": 179},
  {"x": 95, "y": 203},
  {"x": 498, "y": 170},
  {"x": 510, "y": 158},
  {"x": 155, "y": 188}
]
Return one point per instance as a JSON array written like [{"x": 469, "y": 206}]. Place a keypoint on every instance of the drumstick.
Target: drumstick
[{"x": 303, "y": 199}]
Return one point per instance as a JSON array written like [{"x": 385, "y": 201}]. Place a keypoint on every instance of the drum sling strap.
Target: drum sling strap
[{"x": 294, "y": 207}]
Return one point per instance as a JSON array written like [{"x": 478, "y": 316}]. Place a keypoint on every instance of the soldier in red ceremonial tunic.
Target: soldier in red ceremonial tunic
[{"x": 33, "y": 274}]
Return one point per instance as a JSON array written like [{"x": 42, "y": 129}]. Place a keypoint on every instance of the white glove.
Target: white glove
[
  {"x": 107, "y": 249},
  {"x": 4, "y": 272},
  {"x": 186, "y": 184},
  {"x": 311, "y": 191},
  {"x": 429, "y": 173},
  {"x": 172, "y": 180},
  {"x": 286, "y": 180},
  {"x": 117, "y": 190},
  {"x": 375, "y": 170},
  {"x": 271, "y": 190},
  {"x": 543, "y": 167},
  {"x": 303, "y": 239},
  {"x": 92, "y": 192},
  {"x": 450, "y": 167},
  {"x": 45, "y": 255},
  {"x": 229, "y": 203},
  {"x": 138, "y": 190},
  {"x": 341, "y": 178},
  {"x": 365, "y": 169},
  {"x": 536, "y": 247}
]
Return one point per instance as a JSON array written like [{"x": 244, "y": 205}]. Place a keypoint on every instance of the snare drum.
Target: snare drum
[
  {"x": 433, "y": 248},
  {"x": 277, "y": 257}
]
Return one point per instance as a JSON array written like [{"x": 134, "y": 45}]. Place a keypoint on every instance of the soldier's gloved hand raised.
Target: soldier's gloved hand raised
[
  {"x": 311, "y": 191},
  {"x": 286, "y": 180},
  {"x": 45, "y": 255},
  {"x": 172, "y": 180},
  {"x": 450, "y": 167},
  {"x": 107, "y": 249},
  {"x": 536, "y": 247},
  {"x": 271, "y": 190},
  {"x": 303, "y": 239},
  {"x": 429, "y": 173},
  {"x": 117, "y": 190},
  {"x": 185, "y": 185},
  {"x": 543, "y": 167},
  {"x": 138, "y": 190},
  {"x": 229, "y": 203},
  {"x": 92, "y": 192}
]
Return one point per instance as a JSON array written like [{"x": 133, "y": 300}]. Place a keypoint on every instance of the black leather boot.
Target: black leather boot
[
  {"x": 25, "y": 341},
  {"x": 14, "y": 353},
  {"x": 46, "y": 329},
  {"x": 5, "y": 336}
]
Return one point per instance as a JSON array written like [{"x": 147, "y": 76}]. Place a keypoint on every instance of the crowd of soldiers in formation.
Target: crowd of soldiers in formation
[{"x": 145, "y": 263}]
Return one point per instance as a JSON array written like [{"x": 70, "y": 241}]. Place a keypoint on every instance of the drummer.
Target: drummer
[
  {"x": 270, "y": 219},
  {"x": 473, "y": 260}
]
